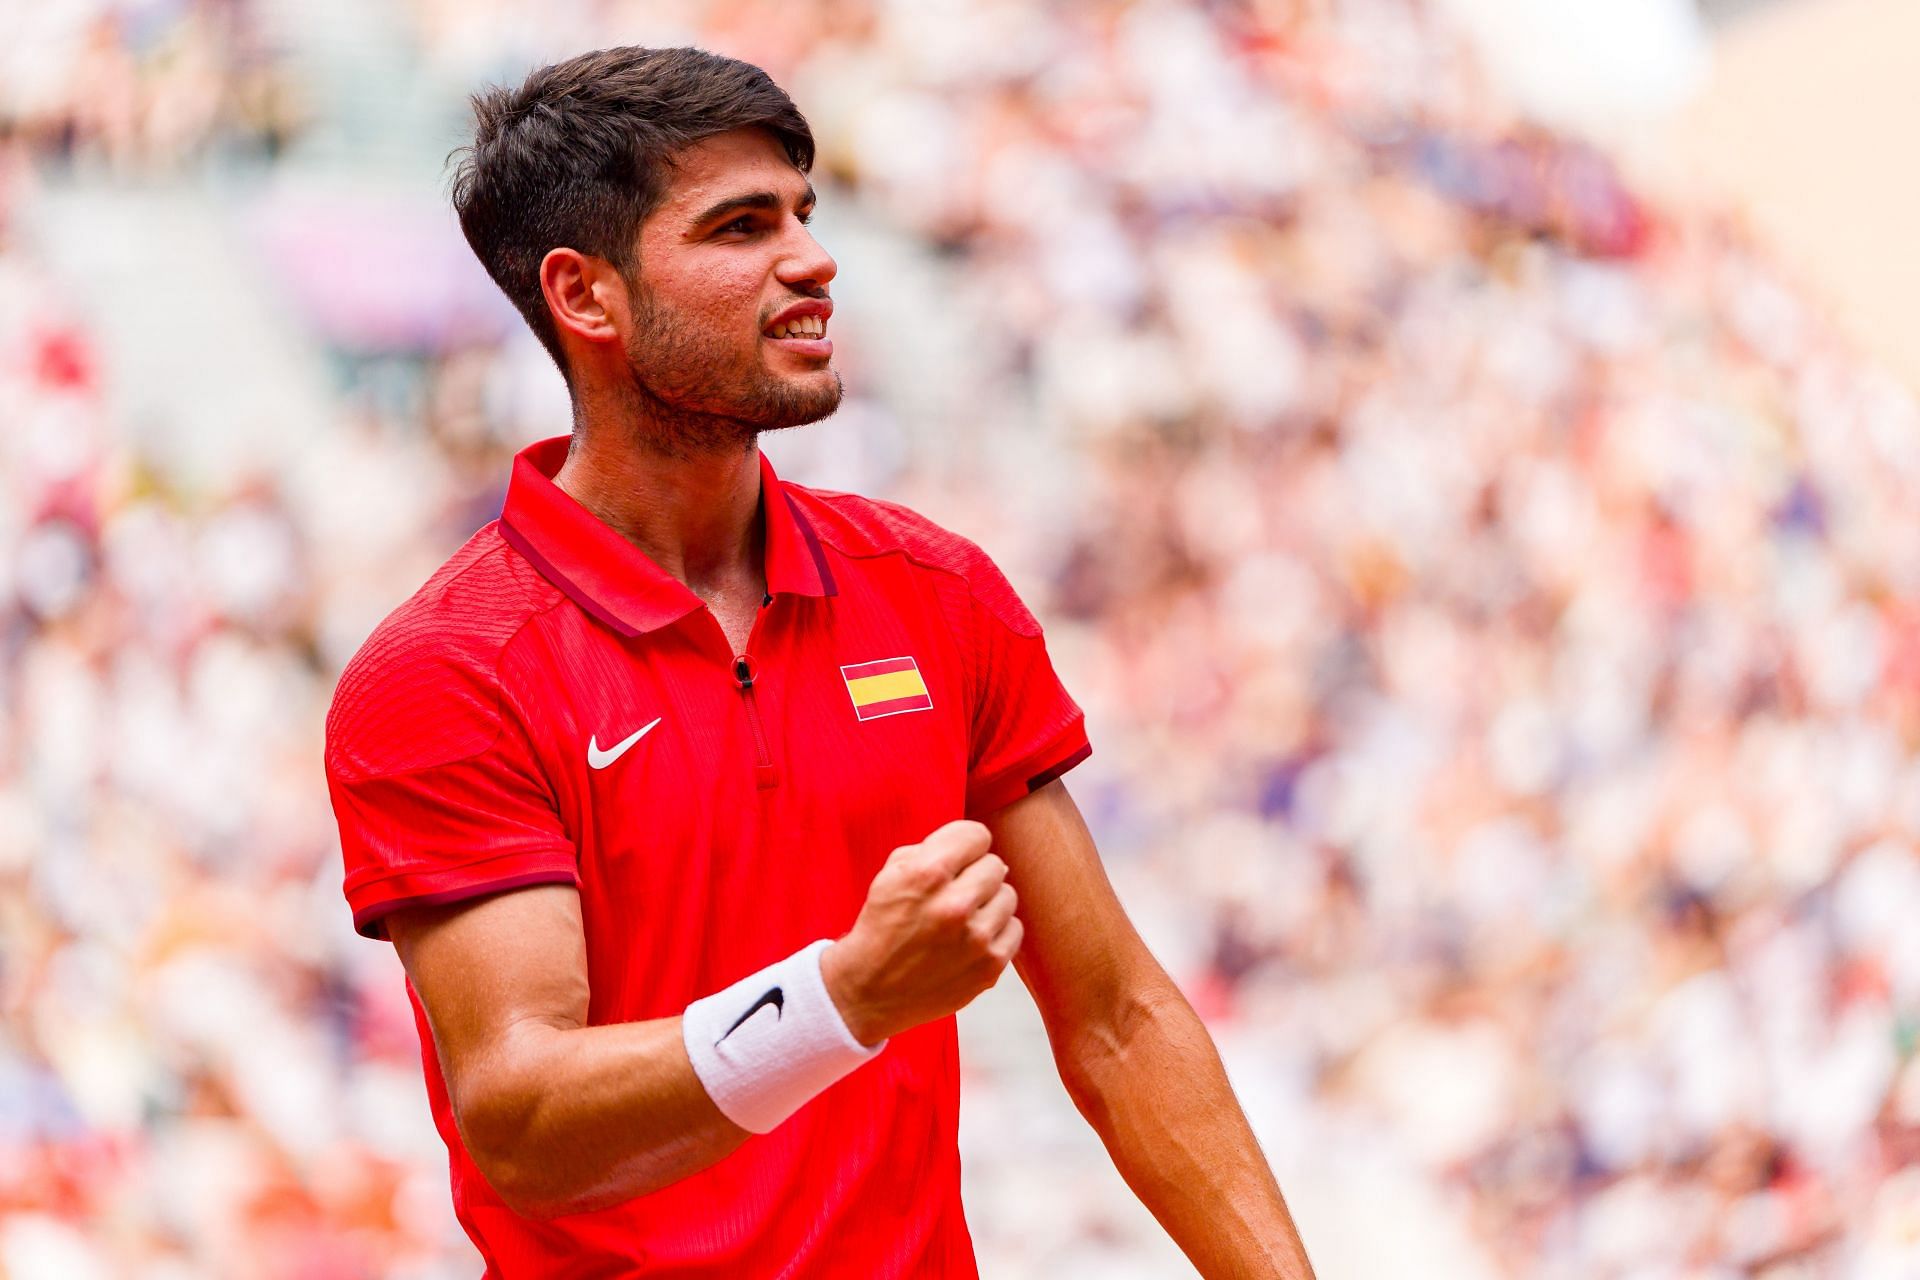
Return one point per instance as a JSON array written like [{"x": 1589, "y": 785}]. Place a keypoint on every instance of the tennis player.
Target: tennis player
[{"x": 696, "y": 802}]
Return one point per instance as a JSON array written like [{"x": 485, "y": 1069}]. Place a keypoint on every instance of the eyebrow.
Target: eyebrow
[{"x": 756, "y": 200}]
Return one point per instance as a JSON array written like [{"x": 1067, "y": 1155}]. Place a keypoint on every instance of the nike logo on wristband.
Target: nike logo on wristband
[{"x": 774, "y": 997}]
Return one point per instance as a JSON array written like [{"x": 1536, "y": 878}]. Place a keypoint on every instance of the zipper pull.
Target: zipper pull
[{"x": 743, "y": 670}]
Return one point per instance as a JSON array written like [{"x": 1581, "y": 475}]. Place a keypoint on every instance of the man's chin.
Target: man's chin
[{"x": 795, "y": 406}]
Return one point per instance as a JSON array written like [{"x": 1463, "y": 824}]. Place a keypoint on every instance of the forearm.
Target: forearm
[
  {"x": 1150, "y": 1082},
  {"x": 565, "y": 1119}
]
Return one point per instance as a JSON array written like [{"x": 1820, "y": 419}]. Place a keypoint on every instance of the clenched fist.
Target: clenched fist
[{"x": 937, "y": 930}]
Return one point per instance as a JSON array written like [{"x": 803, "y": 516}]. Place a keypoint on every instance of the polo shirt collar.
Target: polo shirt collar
[{"x": 614, "y": 580}]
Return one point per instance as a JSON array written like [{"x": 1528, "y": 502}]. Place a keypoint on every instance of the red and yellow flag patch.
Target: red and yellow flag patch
[{"x": 886, "y": 688}]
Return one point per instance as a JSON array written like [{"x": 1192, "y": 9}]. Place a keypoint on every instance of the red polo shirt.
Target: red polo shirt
[{"x": 552, "y": 707}]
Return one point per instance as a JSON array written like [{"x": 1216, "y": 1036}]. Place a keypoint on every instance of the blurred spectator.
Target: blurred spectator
[{"x": 143, "y": 84}]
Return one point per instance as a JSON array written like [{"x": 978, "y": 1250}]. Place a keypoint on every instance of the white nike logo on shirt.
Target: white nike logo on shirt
[{"x": 601, "y": 759}]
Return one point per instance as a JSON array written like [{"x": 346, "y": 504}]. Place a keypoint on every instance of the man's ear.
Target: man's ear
[{"x": 585, "y": 295}]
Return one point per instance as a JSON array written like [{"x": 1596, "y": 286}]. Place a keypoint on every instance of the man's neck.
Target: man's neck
[{"x": 694, "y": 513}]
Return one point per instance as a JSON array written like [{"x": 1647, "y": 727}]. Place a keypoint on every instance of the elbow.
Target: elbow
[
  {"x": 525, "y": 1190},
  {"x": 527, "y": 1201},
  {"x": 500, "y": 1130},
  {"x": 510, "y": 1167},
  {"x": 536, "y": 1170},
  {"x": 538, "y": 1186}
]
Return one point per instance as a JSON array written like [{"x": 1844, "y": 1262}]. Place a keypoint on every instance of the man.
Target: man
[{"x": 696, "y": 802}]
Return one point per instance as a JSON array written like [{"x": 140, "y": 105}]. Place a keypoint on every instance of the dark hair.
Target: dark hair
[{"x": 577, "y": 156}]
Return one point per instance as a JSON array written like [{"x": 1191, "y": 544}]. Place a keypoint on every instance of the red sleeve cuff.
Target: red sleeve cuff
[
  {"x": 996, "y": 792},
  {"x": 373, "y": 900}
]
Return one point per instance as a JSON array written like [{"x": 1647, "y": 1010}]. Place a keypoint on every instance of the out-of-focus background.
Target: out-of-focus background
[{"x": 1464, "y": 453}]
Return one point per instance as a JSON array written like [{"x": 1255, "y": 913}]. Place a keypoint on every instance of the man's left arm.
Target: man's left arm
[{"x": 1135, "y": 1057}]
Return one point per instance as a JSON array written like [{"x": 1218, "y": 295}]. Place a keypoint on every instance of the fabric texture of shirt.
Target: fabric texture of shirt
[{"x": 894, "y": 682}]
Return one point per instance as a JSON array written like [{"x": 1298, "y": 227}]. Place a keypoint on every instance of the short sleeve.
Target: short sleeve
[
  {"x": 1026, "y": 729},
  {"x": 438, "y": 796}
]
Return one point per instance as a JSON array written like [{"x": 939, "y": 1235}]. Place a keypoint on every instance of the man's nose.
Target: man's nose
[{"x": 806, "y": 263}]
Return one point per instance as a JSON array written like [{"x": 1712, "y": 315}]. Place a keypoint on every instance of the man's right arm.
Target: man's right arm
[
  {"x": 562, "y": 1117},
  {"x": 559, "y": 1116}
]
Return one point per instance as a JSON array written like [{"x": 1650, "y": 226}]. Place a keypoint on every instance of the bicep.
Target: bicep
[
  {"x": 488, "y": 967},
  {"x": 1081, "y": 958}
]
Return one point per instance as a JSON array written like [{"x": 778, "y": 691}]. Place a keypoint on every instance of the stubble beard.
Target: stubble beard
[{"x": 690, "y": 405}]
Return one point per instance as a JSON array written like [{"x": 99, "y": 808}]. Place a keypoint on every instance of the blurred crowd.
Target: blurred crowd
[
  {"x": 143, "y": 86},
  {"x": 1496, "y": 601}
]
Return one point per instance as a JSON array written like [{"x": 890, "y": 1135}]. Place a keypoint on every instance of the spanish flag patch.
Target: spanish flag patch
[{"x": 886, "y": 688}]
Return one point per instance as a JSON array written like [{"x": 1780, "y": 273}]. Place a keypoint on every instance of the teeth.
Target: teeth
[{"x": 802, "y": 327}]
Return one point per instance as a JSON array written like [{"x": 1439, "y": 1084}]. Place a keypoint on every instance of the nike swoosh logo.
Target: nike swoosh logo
[
  {"x": 601, "y": 759},
  {"x": 774, "y": 997}
]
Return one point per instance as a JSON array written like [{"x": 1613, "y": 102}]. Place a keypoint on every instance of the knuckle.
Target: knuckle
[
  {"x": 963, "y": 836},
  {"x": 913, "y": 870}
]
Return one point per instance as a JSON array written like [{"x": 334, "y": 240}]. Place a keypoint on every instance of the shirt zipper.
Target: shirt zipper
[{"x": 743, "y": 676}]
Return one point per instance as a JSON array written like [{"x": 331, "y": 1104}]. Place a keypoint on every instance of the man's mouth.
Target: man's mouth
[{"x": 800, "y": 327}]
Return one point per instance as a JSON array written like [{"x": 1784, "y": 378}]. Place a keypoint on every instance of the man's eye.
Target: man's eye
[{"x": 747, "y": 223}]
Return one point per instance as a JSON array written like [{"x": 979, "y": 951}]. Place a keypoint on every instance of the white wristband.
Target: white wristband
[{"x": 767, "y": 1044}]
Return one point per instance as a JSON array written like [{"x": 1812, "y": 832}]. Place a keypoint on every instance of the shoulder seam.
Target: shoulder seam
[
  {"x": 479, "y": 560},
  {"x": 499, "y": 681},
  {"x": 907, "y": 555}
]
